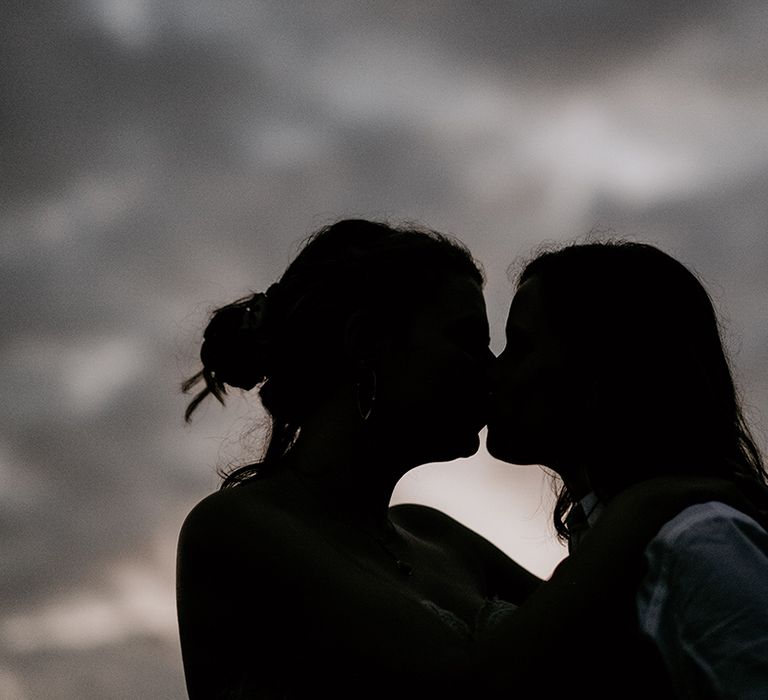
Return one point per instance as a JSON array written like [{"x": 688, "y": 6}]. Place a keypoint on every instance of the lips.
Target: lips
[{"x": 492, "y": 408}]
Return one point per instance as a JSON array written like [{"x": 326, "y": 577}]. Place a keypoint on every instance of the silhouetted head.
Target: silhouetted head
[
  {"x": 368, "y": 310},
  {"x": 614, "y": 372}
]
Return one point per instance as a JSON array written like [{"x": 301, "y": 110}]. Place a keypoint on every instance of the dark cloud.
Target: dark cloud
[{"x": 77, "y": 101}]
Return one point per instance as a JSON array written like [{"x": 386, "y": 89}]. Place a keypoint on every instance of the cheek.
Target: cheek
[
  {"x": 528, "y": 413},
  {"x": 438, "y": 394},
  {"x": 447, "y": 387}
]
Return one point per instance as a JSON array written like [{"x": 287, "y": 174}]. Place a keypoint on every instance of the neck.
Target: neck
[{"x": 339, "y": 462}]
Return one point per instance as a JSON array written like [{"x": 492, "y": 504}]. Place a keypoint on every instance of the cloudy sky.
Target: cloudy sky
[{"x": 162, "y": 158}]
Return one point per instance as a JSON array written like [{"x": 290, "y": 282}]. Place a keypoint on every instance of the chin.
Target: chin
[
  {"x": 457, "y": 449},
  {"x": 502, "y": 450},
  {"x": 494, "y": 446},
  {"x": 494, "y": 450},
  {"x": 472, "y": 445}
]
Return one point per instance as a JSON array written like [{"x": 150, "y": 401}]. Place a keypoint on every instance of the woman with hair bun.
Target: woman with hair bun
[
  {"x": 296, "y": 579},
  {"x": 370, "y": 355}
]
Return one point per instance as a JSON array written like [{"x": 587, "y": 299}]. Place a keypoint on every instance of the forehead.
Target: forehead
[
  {"x": 454, "y": 303},
  {"x": 452, "y": 297},
  {"x": 526, "y": 313}
]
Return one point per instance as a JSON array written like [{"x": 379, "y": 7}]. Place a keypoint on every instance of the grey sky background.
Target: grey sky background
[{"x": 162, "y": 158}]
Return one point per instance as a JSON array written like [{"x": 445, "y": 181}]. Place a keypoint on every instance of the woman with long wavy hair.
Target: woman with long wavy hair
[{"x": 615, "y": 373}]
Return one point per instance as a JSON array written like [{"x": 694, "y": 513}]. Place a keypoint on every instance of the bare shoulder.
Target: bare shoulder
[
  {"x": 506, "y": 578},
  {"x": 426, "y": 519},
  {"x": 441, "y": 529},
  {"x": 223, "y": 513},
  {"x": 245, "y": 527},
  {"x": 427, "y": 522}
]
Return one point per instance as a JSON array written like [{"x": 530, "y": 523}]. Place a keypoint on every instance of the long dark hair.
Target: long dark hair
[
  {"x": 641, "y": 326},
  {"x": 288, "y": 340}
]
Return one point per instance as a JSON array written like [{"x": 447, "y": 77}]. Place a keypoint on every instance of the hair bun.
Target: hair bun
[{"x": 235, "y": 343}]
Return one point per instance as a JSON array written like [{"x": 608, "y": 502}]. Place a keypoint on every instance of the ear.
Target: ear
[{"x": 363, "y": 339}]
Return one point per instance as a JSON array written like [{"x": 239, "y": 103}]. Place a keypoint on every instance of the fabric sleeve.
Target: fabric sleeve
[{"x": 704, "y": 602}]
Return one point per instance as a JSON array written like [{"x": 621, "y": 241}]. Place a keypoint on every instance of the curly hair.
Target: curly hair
[{"x": 288, "y": 340}]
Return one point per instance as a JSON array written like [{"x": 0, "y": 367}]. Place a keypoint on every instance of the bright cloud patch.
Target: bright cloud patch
[
  {"x": 95, "y": 373},
  {"x": 138, "y": 603}
]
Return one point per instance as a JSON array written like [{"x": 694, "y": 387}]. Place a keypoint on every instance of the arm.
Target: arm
[
  {"x": 588, "y": 591},
  {"x": 704, "y": 602}
]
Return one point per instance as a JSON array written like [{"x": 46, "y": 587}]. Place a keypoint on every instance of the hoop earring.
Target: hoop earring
[{"x": 365, "y": 393}]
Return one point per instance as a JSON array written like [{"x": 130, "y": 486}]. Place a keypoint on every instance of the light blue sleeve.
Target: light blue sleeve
[{"x": 704, "y": 602}]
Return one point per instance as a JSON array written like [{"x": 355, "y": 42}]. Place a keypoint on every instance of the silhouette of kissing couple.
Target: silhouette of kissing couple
[{"x": 370, "y": 354}]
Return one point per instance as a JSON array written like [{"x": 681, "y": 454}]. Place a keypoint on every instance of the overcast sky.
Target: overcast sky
[{"x": 162, "y": 158}]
